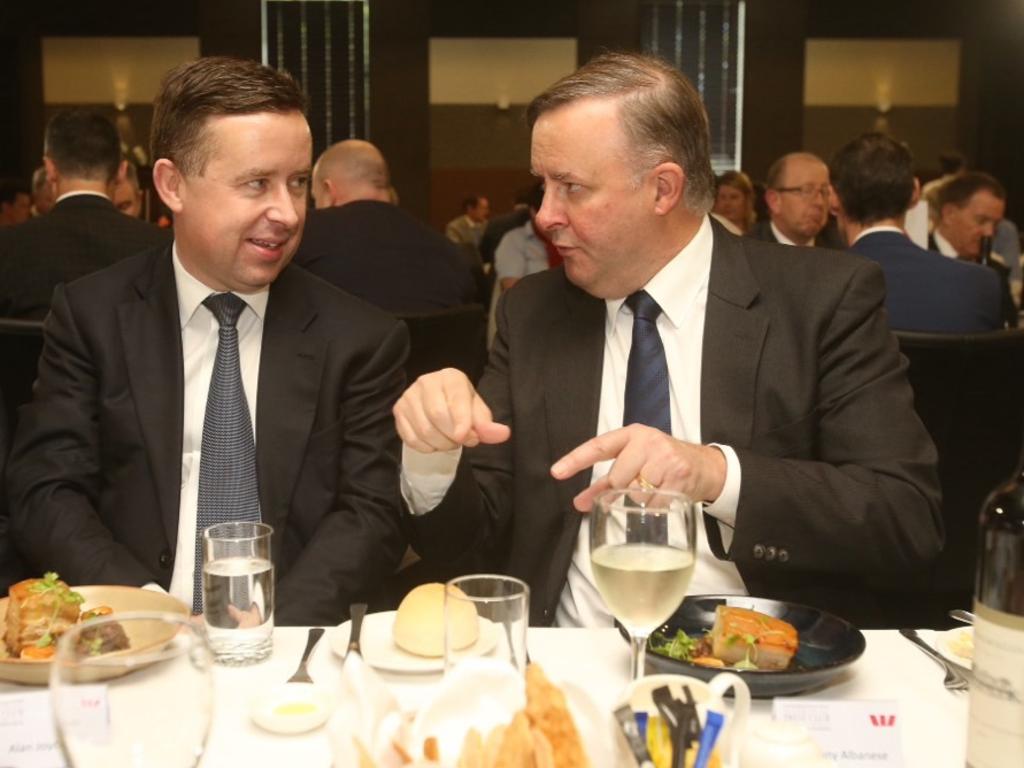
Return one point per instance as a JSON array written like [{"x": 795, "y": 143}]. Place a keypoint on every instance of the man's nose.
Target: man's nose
[
  {"x": 286, "y": 208},
  {"x": 550, "y": 214}
]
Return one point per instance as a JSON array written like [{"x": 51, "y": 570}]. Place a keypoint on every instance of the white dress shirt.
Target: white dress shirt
[
  {"x": 680, "y": 288},
  {"x": 872, "y": 230},
  {"x": 782, "y": 238},
  {"x": 944, "y": 246},
  {"x": 199, "y": 337}
]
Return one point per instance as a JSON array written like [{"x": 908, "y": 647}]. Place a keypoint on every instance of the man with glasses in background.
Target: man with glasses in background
[{"x": 797, "y": 196}]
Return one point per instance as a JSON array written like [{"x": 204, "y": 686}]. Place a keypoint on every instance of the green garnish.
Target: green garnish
[
  {"x": 44, "y": 641},
  {"x": 682, "y": 646},
  {"x": 51, "y": 585},
  {"x": 746, "y": 663}
]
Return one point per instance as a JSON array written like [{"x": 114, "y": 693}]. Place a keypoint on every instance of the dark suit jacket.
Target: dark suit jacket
[
  {"x": 10, "y": 563},
  {"x": 829, "y": 237},
  {"x": 80, "y": 235},
  {"x": 800, "y": 375},
  {"x": 1008, "y": 307},
  {"x": 95, "y": 472},
  {"x": 926, "y": 291},
  {"x": 380, "y": 253}
]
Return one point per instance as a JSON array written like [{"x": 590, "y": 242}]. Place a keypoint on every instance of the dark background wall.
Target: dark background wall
[{"x": 988, "y": 120}]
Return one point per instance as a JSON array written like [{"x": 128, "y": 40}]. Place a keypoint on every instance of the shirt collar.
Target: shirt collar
[
  {"x": 78, "y": 193},
  {"x": 192, "y": 292},
  {"x": 782, "y": 238},
  {"x": 873, "y": 230},
  {"x": 677, "y": 284},
  {"x": 944, "y": 246}
]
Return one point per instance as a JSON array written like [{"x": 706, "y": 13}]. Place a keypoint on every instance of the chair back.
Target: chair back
[
  {"x": 969, "y": 392},
  {"x": 21, "y": 342},
  {"x": 451, "y": 338}
]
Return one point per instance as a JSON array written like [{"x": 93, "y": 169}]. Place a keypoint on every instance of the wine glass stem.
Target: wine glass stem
[{"x": 638, "y": 644}]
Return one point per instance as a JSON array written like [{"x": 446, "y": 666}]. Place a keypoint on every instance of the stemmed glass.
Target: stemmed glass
[
  {"x": 643, "y": 545},
  {"x": 110, "y": 706}
]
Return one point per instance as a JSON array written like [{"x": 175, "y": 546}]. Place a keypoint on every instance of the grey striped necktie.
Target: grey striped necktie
[{"x": 228, "y": 490}]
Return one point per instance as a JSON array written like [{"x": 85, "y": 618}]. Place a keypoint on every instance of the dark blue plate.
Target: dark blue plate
[{"x": 827, "y": 644}]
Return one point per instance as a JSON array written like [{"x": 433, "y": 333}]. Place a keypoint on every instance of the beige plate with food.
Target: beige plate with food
[{"x": 121, "y": 600}]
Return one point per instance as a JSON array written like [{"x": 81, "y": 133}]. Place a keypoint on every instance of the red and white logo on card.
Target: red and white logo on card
[{"x": 883, "y": 721}]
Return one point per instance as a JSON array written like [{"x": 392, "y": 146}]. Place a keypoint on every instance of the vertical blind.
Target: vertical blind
[{"x": 704, "y": 39}]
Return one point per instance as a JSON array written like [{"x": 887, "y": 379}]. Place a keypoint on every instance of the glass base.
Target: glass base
[{"x": 231, "y": 653}]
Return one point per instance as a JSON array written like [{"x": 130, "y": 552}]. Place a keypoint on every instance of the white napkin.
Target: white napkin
[{"x": 367, "y": 711}]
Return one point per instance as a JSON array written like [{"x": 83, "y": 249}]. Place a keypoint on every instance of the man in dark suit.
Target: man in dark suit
[
  {"x": 157, "y": 372},
  {"x": 873, "y": 176},
  {"x": 791, "y": 417},
  {"x": 83, "y": 232},
  {"x": 797, "y": 197},
  {"x": 359, "y": 241}
]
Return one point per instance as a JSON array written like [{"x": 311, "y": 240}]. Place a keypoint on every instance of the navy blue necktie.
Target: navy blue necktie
[
  {"x": 228, "y": 491},
  {"x": 647, "y": 398}
]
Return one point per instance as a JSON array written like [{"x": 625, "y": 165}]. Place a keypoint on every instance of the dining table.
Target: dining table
[{"x": 933, "y": 721}]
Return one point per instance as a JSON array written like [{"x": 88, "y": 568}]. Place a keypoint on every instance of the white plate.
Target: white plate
[
  {"x": 380, "y": 651},
  {"x": 291, "y": 708},
  {"x": 949, "y": 645}
]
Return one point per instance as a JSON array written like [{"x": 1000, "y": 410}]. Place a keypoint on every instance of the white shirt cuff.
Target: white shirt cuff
[
  {"x": 426, "y": 477},
  {"x": 723, "y": 508}
]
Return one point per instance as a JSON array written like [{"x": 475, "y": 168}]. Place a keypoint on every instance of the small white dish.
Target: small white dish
[
  {"x": 379, "y": 649},
  {"x": 957, "y": 645},
  {"x": 291, "y": 708}
]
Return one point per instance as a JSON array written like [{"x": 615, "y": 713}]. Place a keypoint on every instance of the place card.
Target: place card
[
  {"x": 853, "y": 734},
  {"x": 28, "y": 738}
]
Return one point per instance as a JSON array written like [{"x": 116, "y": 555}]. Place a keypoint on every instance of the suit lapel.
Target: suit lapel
[
  {"x": 151, "y": 335},
  {"x": 572, "y": 388},
  {"x": 734, "y": 335},
  {"x": 291, "y": 363}
]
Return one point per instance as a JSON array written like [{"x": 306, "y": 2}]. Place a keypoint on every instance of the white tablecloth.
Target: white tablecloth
[{"x": 933, "y": 720}]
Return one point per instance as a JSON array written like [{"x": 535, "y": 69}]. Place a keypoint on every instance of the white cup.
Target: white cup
[
  {"x": 779, "y": 744},
  {"x": 707, "y": 696}
]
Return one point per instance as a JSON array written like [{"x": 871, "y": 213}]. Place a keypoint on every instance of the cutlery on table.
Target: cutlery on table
[
  {"x": 954, "y": 680},
  {"x": 356, "y": 612},
  {"x": 301, "y": 674},
  {"x": 960, "y": 615}
]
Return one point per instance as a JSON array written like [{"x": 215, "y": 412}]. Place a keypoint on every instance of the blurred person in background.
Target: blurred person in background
[
  {"x": 42, "y": 192},
  {"x": 127, "y": 194},
  {"x": 734, "y": 202},
  {"x": 15, "y": 202}
]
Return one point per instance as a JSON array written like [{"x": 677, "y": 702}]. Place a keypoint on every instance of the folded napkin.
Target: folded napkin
[{"x": 367, "y": 719}]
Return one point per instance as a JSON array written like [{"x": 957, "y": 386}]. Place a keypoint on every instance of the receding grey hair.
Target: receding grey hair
[{"x": 662, "y": 115}]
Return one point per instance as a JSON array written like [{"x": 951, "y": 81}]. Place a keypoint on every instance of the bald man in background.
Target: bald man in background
[
  {"x": 797, "y": 197},
  {"x": 360, "y": 242}
]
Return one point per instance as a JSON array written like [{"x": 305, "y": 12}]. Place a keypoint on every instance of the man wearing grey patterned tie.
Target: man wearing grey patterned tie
[
  {"x": 759, "y": 379},
  {"x": 210, "y": 381}
]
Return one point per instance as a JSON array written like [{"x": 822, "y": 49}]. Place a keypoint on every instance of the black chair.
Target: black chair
[
  {"x": 451, "y": 338},
  {"x": 21, "y": 342},
  {"x": 969, "y": 392}
]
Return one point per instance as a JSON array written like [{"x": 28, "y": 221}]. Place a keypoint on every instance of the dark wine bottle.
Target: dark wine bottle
[
  {"x": 995, "y": 730},
  {"x": 985, "y": 251}
]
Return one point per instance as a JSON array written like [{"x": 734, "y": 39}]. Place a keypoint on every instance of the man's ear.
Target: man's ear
[
  {"x": 122, "y": 172},
  {"x": 669, "y": 185},
  {"x": 915, "y": 196},
  {"x": 51, "y": 169},
  {"x": 169, "y": 184},
  {"x": 334, "y": 195},
  {"x": 773, "y": 200}
]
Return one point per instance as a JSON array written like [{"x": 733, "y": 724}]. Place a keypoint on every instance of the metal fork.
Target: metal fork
[
  {"x": 302, "y": 674},
  {"x": 954, "y": 681}
]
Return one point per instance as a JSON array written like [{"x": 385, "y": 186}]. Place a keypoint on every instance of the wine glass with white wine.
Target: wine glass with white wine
[{"x": 643, "y": 546}]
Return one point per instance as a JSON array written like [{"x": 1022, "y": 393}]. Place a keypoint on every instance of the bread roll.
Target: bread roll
[{"x": 419, "y": 623}]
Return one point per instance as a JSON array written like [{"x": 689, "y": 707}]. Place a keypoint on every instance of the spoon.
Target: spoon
[
  {"x": 965, "y": 616},
  {"x": 301, "y": 674},
  {"x": 357, "y": 611}
]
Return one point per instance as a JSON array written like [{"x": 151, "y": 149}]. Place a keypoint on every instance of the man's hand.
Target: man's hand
[
  {"x": 441, "y": 411},
  {"x": 666, "y": 463}
]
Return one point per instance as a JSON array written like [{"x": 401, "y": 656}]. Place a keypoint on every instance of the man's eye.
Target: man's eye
[
  {"x": 257, "y": 185},
  {"x": 299, "y": 183}
]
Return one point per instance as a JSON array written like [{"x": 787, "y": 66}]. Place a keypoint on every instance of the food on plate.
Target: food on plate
[
  {"x": 741, "y": 638},
  {"x": 41, "y": 610},
  {"x": 547, "y": 710},
  {"x": 419, "y": 622}
]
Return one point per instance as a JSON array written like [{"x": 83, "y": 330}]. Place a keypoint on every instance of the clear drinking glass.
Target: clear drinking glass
[
  {"x": 110, "y": 707},
  {"x": 238, "y": 592},
  {"x": 643, "y": 545},
  {"x": 501, "y": 607}
]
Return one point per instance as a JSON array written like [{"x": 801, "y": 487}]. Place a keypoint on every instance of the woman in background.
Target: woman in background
[{"x": 734, "y": 202}]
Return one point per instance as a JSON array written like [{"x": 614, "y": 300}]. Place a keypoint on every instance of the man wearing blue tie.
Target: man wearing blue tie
[
  {"x": 758, "y": 379},
  {"x": 209, "y": 381}
]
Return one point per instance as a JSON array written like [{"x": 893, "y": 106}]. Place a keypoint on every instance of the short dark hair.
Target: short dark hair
[
  {"x": 83, "y": 144},
  {"x": 874, "y": 178},
  {"x": 960, "y": 189},
  {"x": 662, "y": 114},
  {"x": 470, "y": 202},
  {"x": 951, "y": 162},
  {"x": 213, "y": 86}
]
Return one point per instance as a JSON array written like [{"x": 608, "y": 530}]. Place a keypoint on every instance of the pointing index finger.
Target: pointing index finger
[{"x": 596, "y": 449}]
